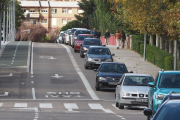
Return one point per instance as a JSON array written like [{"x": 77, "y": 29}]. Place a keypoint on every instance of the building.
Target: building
[{"x": 51, "y": 13}]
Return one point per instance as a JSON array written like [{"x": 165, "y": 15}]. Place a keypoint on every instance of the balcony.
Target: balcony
[{"x": 33, "y": 14}]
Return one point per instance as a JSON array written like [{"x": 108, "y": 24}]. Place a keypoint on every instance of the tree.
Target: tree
[
  {"x": 37, "y": 32},
  {"x": 72, "y": 24},
  {"x": 19, "y": 15}
]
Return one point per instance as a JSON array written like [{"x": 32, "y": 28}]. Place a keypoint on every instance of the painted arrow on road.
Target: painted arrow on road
[
  {"x": 11, "y": 74},
  {"x": 57, "y": 76},
  {"x": 5, "y": 94}
]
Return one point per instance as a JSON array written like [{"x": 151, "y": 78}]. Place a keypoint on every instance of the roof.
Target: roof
[
  {"x": 172, "y": 71},
  {"x": 113, "y": 63},
  {"x": 136, "y": 74},
  {"x": 46, "y": 4}
]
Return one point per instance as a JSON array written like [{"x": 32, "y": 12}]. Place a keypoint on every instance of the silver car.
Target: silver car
[{"x": 132, "y": 90}]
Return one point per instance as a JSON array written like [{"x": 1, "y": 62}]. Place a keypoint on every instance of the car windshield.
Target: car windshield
[
  {"x": 82, "y": 32},
  {"x": 92, "y": 42},
  {"x": 137, "y": 80},
  {"x": 170, "y": 112},
  {"x": 113, "y": 67},
  {"x": 99, "y": 51},
  {"x": 83, "y": 37},
  {"x": 169, "y": 81}
]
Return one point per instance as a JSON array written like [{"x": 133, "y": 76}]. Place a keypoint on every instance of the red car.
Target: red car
[{"x": 79, "y": 41}]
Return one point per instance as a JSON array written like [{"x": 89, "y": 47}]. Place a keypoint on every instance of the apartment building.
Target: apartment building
[{"x": 51, "y": 13}]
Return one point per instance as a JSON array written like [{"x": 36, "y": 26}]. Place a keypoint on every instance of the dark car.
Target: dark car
[
  {"x": 96, "y": 55},
  {"x": 87, "y": 43},
  {"x": 168, "y": 110},
  {"x": 77, "y": 32},
  {"x": 79, "y": 41},
  {"x": 109, "y": 74}
]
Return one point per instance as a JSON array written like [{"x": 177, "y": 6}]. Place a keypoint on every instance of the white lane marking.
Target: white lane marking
[
  {"x": 74, "y": 92},
  {"x": 95, "y": 106},
  {"x": 28, "y": 57},
  {"x": 11, "y": 74},
  {"x": 52, "y": 58},
  {"x": 51, "y": 92},
  {"x": 63, "y": 92},
  {"x": 32, "y": 61},
  {"x": 32, "y": 82},
  {"x": 70, "y": 106},
  {"x": 99, "y": 107},
  {"x": 33, "y": 94},
  {"x": 1, "y": 104},
  {"x": 5, "y": 94},
  {"x": 20, "y": 105},
  {"x": 115, "y": 106},
  {"x": 57, "y": 76},
  {"x": 82, "y": 76},
  {"x": 45, "y": 105}
]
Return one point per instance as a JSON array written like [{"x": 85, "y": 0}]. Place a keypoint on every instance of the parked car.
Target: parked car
[
  {"x": 77, "y": 32},
  {"x": 108, "y": 74},
  {"x": 67, "y": 36},
  {"x": 87, "y": 43},
  {"x": 96, "y": 55},
  {"x": 79, "y": 41},
  {"x": 61, "y": 37},
  {"x": 165, "y": 82},
  {"x": 168, "y": 110},
  {"x": 72, "y": 35},
  {"x": 132, "y": 90}
]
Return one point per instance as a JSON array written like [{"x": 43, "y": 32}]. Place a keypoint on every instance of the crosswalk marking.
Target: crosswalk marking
[
  {"x": 45, "y": 105},
  {"x": 20, "y": 105},
  {"x": 95, "y": 106},
  {"x": 1, "y": 104},
  {"x": 70, "y": 106}
]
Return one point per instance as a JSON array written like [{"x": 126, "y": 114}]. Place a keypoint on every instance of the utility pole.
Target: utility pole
[
  {"x": 0, "y": 23},
  {"x": 12, "y": 20},
  {"x": 175, "y": 54},
  {"x": 14, "y": 14},
  {"x": 144, "y": 47},
  {"x": 10, "y": 38},
  {"x": 7, "y": 15},
  {"x": 4, "y": 23}
]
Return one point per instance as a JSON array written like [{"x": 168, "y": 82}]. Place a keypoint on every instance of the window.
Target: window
[
  {"x": 32, "y": 10},
  {"x": 44, "y": 21},
  {"x": 44, "y": 10},
  {"x": 23, "y": 9},
  {"x": 69, "y": 11},
  {"x": 68, "y": 20},
  {"x": 79, "y": 11},
  {"x": 53, "y": 21},
  {"x": 53, "y": 11},
  {"x": 63, "y": 21},
  {"x": 63, "y": 10}
]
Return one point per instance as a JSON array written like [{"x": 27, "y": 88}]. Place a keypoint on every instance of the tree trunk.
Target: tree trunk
[
  {"x": 162, "y": 43},
  {"x": 157, "y": 40},
  {"x": 151, "y": 40},
  {"x": 178, "y": 53},
  {"x": 171, "y": 47}
]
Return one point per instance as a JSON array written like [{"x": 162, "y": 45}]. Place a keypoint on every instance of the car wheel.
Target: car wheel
[
  {"x": 85, "y": 67},
  {"x": 81, "y": 55},
  {"x": 117, "y": 104},
  {"x": 97, "y": 88},
  {"x": 121, "y": 106},
  {"x": 75, "y": 50},
  {"x": 148, "y": 118}
]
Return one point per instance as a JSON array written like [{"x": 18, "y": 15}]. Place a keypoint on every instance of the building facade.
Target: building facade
[{"x": 51, "y": 13}]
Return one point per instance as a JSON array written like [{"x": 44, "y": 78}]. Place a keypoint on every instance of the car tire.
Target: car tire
[
  {"x": 81, "y": 55},
  {"x": 148, "y": 118},
  {"x": 75, "y": 50},
  {"x": 117, "y": 104},
  {"x": 97, "y": 88},
  {"x": 86, "y": 67},
  {"x": 121, "y": 106}
]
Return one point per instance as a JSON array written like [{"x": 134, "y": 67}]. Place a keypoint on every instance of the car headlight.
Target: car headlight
[
  {"x": 109, "y": 60},
  {"x": 102, "y": 79},
  {"x": 90, "y": 59},
  {"x": 126, "y": 94},
  {"x": 160, "y": 96},
  {"x": 75, "y": 38},
  {"x": 84, "y": 48}
]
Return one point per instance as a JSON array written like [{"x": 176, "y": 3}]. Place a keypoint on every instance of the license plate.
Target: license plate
[
  {"x": 112, "y": 83},
  {"x": 141, "y": 100}
]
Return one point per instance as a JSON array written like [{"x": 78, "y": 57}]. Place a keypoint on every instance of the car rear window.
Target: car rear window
[
  {"x": 82, "y": 32},
  {"x": 83, "y": 37},
  {"x": 92, "y": 42},
  {"x": 113, "y": 67},
  {"x": 99, "y": 51}
]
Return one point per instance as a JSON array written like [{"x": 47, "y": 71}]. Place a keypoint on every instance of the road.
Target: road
[{"x": 54, "y": 86}]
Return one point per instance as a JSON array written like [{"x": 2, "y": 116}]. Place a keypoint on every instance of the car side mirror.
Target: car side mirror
[
  {"x": 118, "y": 83},
  {"x": 85, "y": 53},
  {"x": 113, "y": 55},
  {"x": 131, "y": 72},
  {"x": 147, "y": 112},
  {"x": 104, "y": 45},
  {"x": 151, "y": 84}
]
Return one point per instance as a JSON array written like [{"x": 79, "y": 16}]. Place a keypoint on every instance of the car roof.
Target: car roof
[
  {"x": 83, "y": 30},
  {"x": 136, "y": 74},
  {"x": 170, "y": 71},
  {"x": 172, "y": 102},
  {"x": 98, "y": 47},
  {"x": 85, "y": 35},
  {"x": 112, "y": 62}
]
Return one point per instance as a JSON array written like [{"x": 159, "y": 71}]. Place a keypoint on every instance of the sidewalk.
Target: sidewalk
[
  {"x": 133, "y": 61},
  {"x": 3, "y": 45}
]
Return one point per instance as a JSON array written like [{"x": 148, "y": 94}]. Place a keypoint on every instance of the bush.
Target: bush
[
  {"x": 158, "y": 57},
  {"x": 45, "y": 39},
  {"x": 137, "y": 40}
]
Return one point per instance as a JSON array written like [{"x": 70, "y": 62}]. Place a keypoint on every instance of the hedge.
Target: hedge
[
  {"x": 137, "y": 40},
  {"x": 158, "y": 57}
]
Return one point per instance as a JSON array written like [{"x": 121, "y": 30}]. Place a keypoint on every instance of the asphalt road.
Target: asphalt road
[{"x": 57, "y": 87}]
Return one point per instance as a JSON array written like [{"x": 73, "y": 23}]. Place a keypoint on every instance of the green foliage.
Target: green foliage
[
  {"x": 137, "y": 40},
  {"x": 19, "y": 14},
  {"x": 72, "y": 24},
  {"x": 168, "y": 63},
  {"x": 46, "y": 39}
]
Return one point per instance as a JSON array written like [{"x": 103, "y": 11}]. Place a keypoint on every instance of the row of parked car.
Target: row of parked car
[{"x": 130, "y": 89}]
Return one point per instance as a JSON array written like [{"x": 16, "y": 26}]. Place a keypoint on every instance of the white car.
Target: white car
[
  {"x": 67, "y": 36},
  {"x": 61, "y": 37},
  {"x": 132, "y": 90}
]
